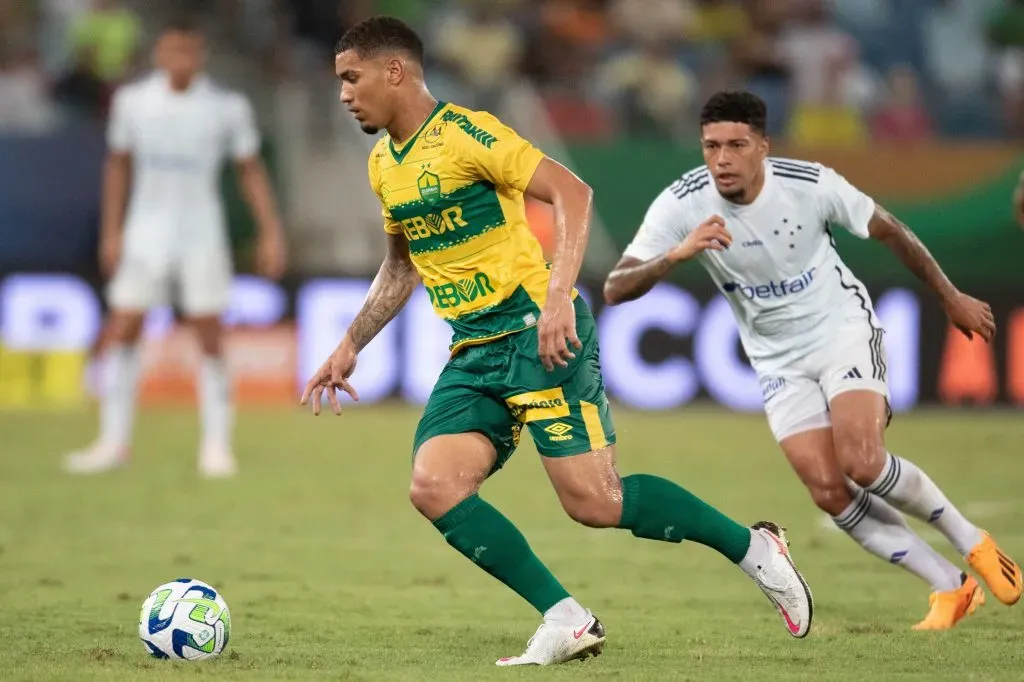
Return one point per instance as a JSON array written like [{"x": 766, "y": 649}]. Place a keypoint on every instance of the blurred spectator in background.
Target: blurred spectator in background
[
  {"x": 1006, "y": 31},
  {"x": 24, "y": 96},
  {"x": 758, "y": 61},
  {"x": 717, "y": 22},
  {"x": 25, "y": 107},
  {"x": 110, "y": 37},
  {"x": 656, "y": 21},
  {"x": 56, "y": 19},
  {"x": 480, "y": 45},
  {"x": 716, "y": 28},
  {"x": 18, "y": 22},
  {"x": 831, "y": 89},
  {"x": 571, "y": 37},
  {"x": 645, "y": 81},
  {"x": 953, "y": 67},
  {"x": 413, "y": 12},
  {"x": 651, "y": 91},
  {"x": 80, "y": 91},
  {"x": 316, "y": 26},
  {"x": 957, "y": 61},
  {"x": 902, "y": 116}
]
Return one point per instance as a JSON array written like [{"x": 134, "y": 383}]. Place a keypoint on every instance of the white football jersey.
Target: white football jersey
[
  {"x": 782, "y": 275},
  {"x": 178, "y": 142}
]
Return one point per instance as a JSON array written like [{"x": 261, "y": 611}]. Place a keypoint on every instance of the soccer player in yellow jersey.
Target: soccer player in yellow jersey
[{"x": 524, "y": 348}]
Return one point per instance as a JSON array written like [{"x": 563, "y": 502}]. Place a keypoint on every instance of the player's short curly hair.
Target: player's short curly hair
[
  {"x": 378, "y": 34},
  {"x": 735, "y": 106}
]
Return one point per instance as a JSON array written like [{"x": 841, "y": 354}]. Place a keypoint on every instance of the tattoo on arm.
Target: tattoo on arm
[
  {"x": 899, "y": 238},
  {"x": 632, "y": 278},
  {"x": 388, "y": 294}
]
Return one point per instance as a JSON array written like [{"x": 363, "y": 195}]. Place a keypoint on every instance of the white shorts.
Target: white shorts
[
  {"x": 797, "y": 397},
  {"x": 197, "y": 280}
]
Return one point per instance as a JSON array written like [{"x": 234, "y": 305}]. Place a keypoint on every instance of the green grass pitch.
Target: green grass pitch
[{"x": 330, "y": 574}]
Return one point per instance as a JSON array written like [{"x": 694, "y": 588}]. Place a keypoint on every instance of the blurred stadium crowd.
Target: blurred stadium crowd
[{"x": 837, "y": 72}]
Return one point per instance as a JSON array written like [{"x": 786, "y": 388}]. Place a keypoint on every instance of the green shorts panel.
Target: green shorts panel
[
  {"x": 498, "y": 387},
  {"x": 458, "y": 404}
]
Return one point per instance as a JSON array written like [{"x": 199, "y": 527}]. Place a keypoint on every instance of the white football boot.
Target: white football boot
[
  {"x": 782, "y": 583},
  {"x": 556, "y": 642},
  {"x": 96, "y": 459},
  {"x": 217, "y": 462}
]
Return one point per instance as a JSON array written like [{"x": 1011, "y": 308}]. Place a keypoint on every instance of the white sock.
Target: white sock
[
  {"x": 883, "y": 531},
  {"x": 566, "y": 611},
  {"x": 120, "y": 386},
  {"x": 911, "y": 490},
  {"x": 215, "y": 403},
  {"x": 757, "y": 554}
]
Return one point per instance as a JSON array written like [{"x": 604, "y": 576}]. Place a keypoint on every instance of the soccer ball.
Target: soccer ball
[{"x": 185, "y": 619}]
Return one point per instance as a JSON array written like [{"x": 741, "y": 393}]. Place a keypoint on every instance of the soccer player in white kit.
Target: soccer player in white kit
[
  {"x": 762, "y": 228},
  {"x": 168, "y": 136}
]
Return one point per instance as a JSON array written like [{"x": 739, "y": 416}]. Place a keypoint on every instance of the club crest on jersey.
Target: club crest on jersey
[
  {"x": 430, "y": 187},
  {"x": 434, "y": 134}
]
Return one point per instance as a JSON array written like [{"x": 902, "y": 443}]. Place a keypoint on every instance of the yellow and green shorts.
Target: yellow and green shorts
[{"x": 498, "y": 387}]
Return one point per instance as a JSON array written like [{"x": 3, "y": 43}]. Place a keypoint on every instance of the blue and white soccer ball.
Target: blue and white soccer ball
[{"x": 185, "y": 619}]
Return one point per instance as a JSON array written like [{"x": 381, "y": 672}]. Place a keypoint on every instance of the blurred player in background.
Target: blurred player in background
[
  {"x": 762, "y": 228},
  {"x": 524, "y": 350},
  {"x": 166, "y": 240}
]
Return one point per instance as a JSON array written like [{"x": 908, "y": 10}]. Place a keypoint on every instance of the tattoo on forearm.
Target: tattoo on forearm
[
  {"x": 914, "y": 254},
  {"x": 632, "y": 282},
  {"x": 389, "y": 292}
]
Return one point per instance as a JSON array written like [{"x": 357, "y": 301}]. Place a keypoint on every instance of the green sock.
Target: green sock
[
  {"x": 658, "y": 509},
  {"x": 488, "y": 539}
]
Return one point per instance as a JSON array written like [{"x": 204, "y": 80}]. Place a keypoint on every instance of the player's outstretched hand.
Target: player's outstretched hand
[
  {"x": 331, "y": 376},
  {"x": 710, "y": 234},
  {"x": 556, "y": 332},
  {"x": 971, "y": 316}
]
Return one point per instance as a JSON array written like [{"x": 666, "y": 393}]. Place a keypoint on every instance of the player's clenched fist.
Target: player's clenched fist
[
  {"x": 332, "y": 375},
  {"x": 710, "y": 234}
]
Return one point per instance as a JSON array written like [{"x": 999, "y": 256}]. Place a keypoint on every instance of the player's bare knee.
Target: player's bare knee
[
  {"x": 434, "y": 493},
  {"x": 861, "y": 453},
  {"x": 594, "y": 513},
  {"x": 209, "y": 334},
  {"x": 447, "y": 469},
  {"x": 831, "y": 499},
  {"x": 431, "y": 495}
]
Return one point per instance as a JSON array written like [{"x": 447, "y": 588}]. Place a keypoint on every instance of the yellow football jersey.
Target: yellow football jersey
[{"x": 455, "y": 189}]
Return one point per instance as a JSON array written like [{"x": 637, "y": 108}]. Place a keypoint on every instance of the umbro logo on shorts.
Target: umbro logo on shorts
[{"x": 559, "y": 431}]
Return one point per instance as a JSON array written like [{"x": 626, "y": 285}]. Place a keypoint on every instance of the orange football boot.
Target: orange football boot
[
  {"x": 948, "y": 608},
  {"x": 1001, "y": 573}
]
